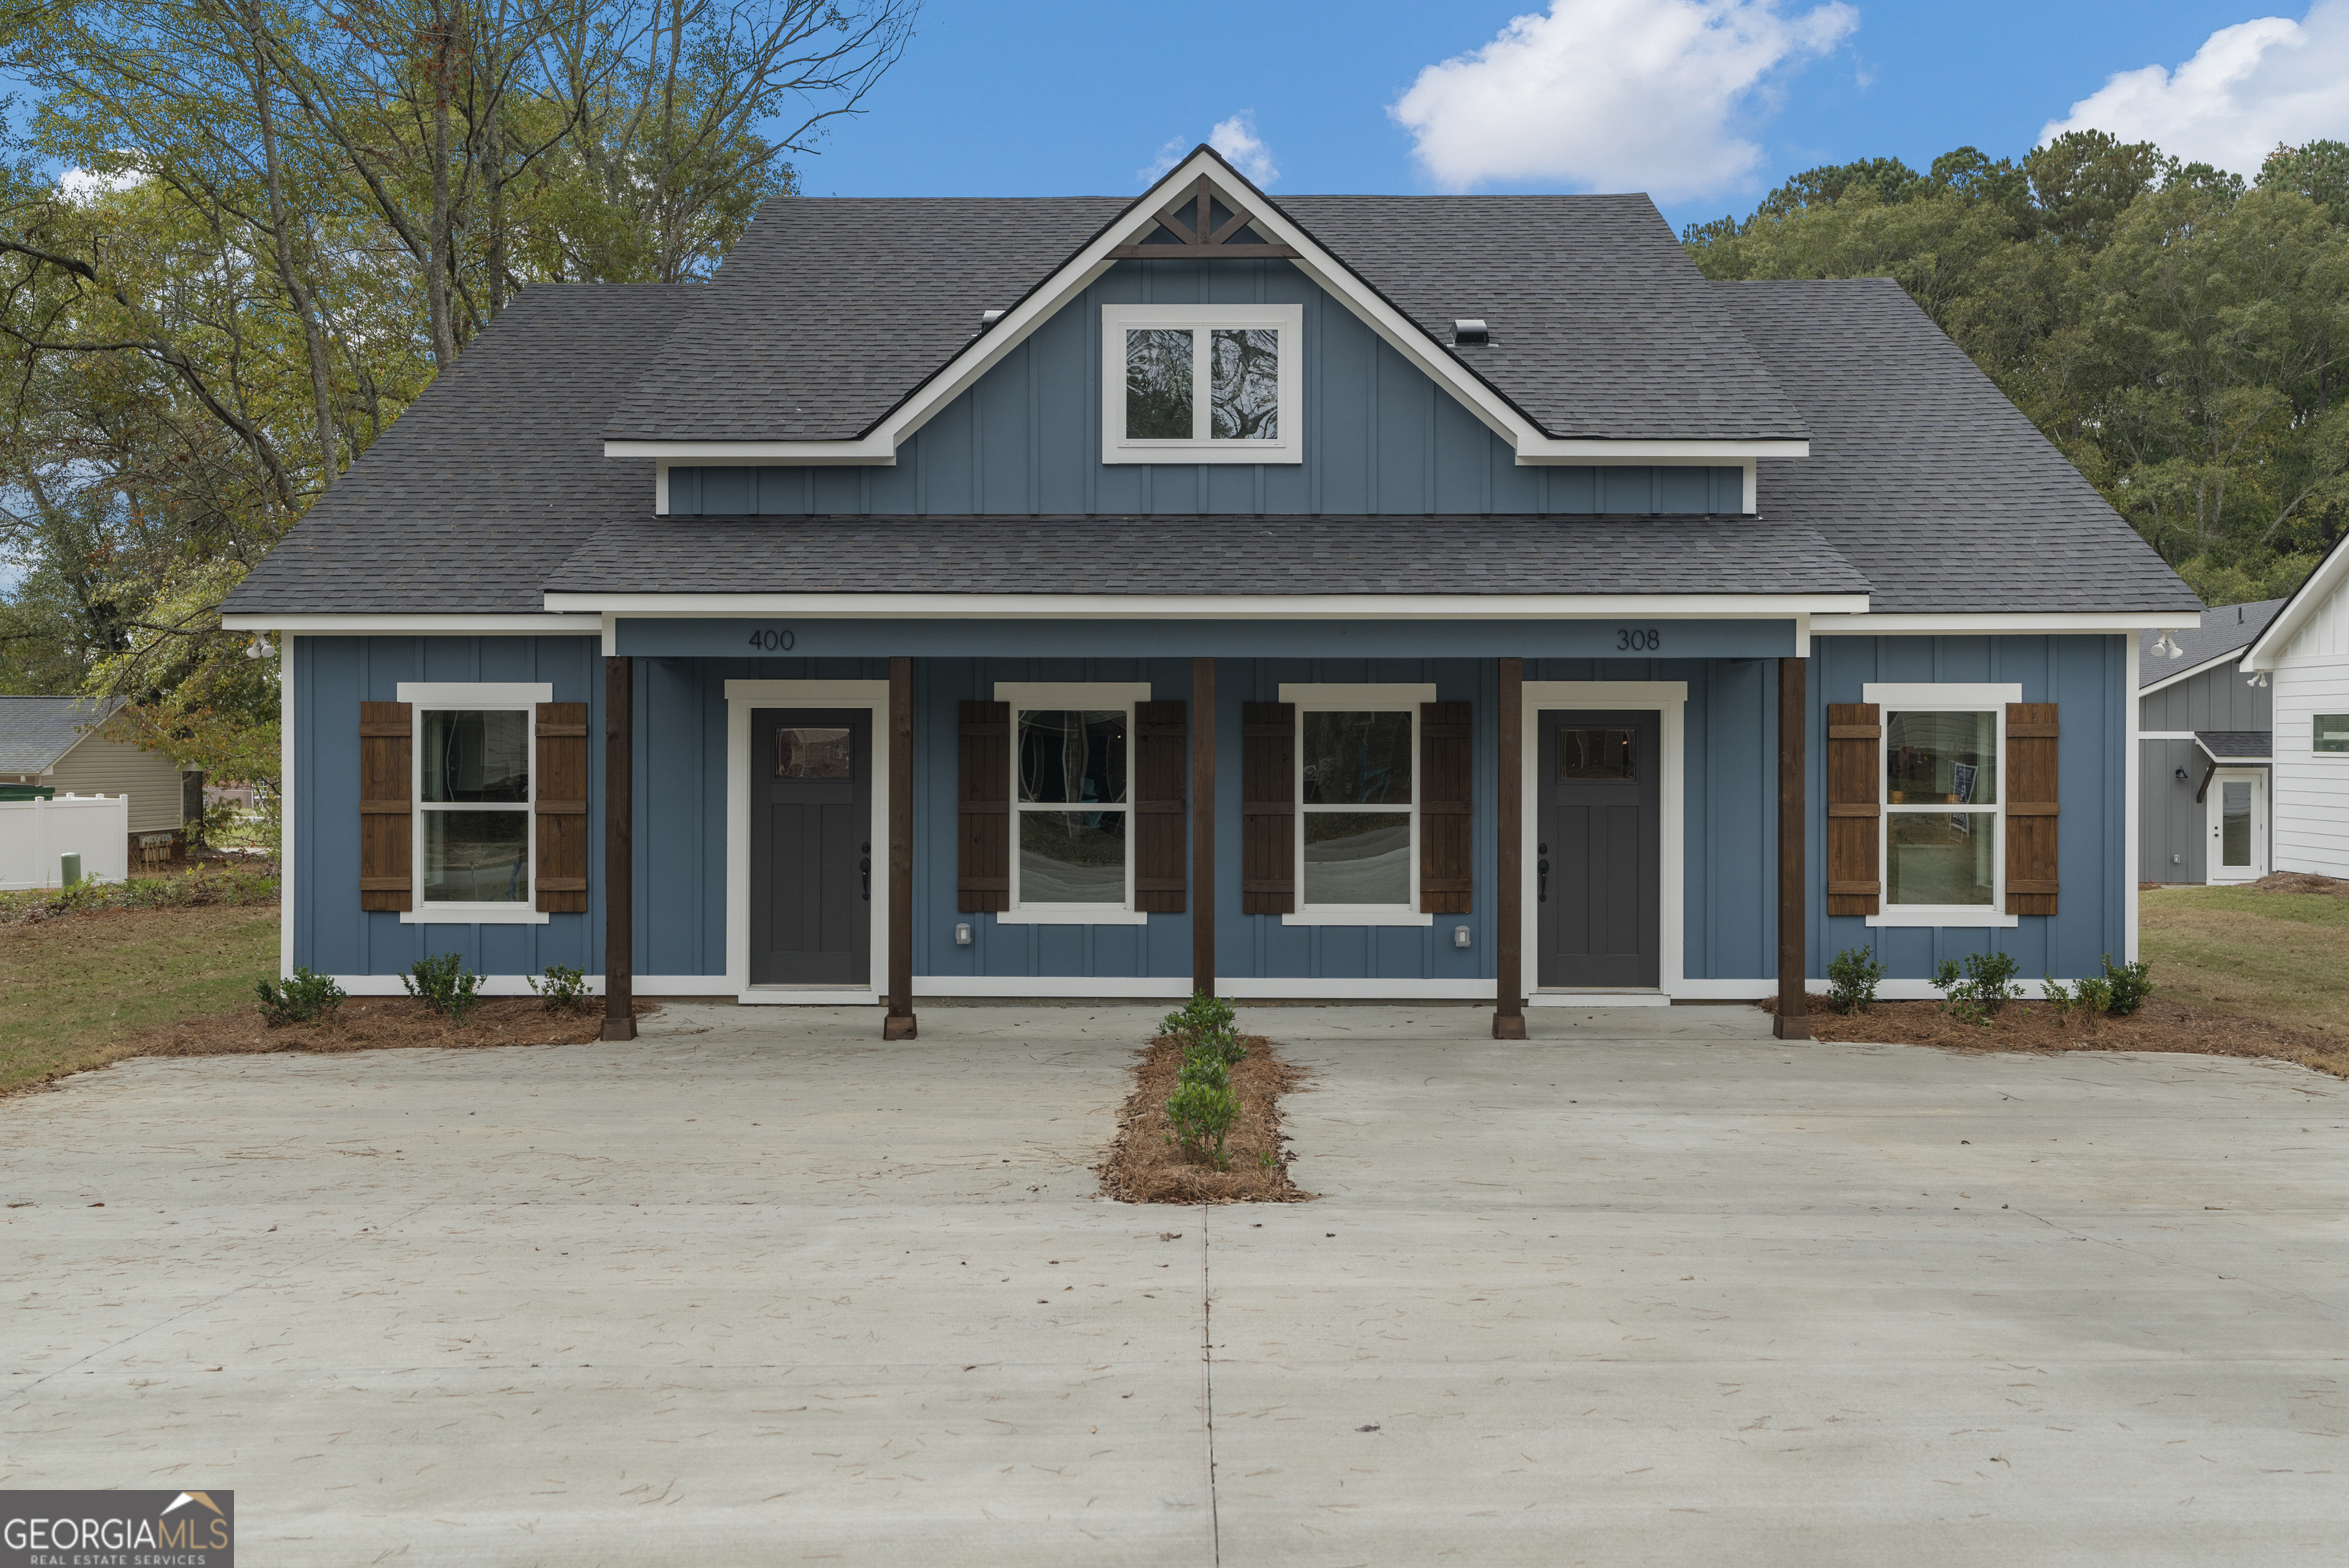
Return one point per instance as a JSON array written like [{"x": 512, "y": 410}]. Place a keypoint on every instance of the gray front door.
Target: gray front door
[
  {"x": 811, "y": 846},
  {"x": 1597, "y": 850}
]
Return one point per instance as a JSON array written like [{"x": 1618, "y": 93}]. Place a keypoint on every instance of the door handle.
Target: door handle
[
  {"x": 864, "y": 869},
  {"x": 1541, "y": 885}
]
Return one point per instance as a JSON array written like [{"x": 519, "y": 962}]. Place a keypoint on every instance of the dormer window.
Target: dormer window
[{"x": 1201, "y": 384}]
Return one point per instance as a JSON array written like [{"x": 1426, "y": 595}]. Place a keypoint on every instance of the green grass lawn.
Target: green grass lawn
[
  {"x": 71, "y": 988},
  {"x": 2280, "y": 957}
]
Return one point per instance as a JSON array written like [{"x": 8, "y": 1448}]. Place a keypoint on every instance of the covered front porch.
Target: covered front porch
[{"x": 1518, "y": 811}]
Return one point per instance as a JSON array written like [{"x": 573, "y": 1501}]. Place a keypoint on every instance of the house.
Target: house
[
  {"x": 2203, "y": 734},
  {"x": 2302, "y": 657},
  {"x": 1330, "y": 597},
  {"x": 58, "y": 742}
]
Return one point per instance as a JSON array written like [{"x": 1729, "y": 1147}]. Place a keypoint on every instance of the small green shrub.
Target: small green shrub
[
  {"x": 1206, "y": 1024},
  {"x": 306, "y": 999},
  {"x": 444, "y": 985},
  {"x": 1852, "y": 976},
  {"x": 565, "y": 990},
  {"x": 1975, "y": 991},
  {"x": 1203, "y": 1114},
  {"x": 2131, "y": 984}
]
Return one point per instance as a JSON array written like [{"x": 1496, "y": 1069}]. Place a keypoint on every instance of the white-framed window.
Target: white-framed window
[
  {"x": 1942, "y": 829},
  {"x": 1356, "y": 804},
  {"x": 1072, "y": 801},
  {"x": 474, "y": 791},
  {"x": 1202, "y": 384}
]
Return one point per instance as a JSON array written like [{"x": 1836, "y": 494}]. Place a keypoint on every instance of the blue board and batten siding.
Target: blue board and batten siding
[
  {"x": 1380, "y": 437},
  {"x": 1729, "y": 866},
  {"x": 332, "y": 675}
]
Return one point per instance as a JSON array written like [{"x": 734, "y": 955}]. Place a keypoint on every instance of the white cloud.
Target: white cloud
[
  {"x": 1613, "y": 94},
  {"x": 1235, "y": 138},
  {"x": 87, "y": 185},
  {"x": 2248, "y": 88}
]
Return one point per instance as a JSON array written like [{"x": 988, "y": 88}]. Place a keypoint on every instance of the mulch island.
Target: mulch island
[
  {"x": 1151, "y": 1163},
  {"x": 2160, "y": 1025}
]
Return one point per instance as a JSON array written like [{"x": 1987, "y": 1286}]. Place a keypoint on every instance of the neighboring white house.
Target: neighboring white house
[
  {"x": 54, "y": 741},
  {"x": 2304, "y": 652}
]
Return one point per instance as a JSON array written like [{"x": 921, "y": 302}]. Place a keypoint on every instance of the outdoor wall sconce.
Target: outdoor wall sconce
[
  {"x": 2179, "y": 775},
  {"x": 962, "y": 928},
  {"x": 1459, "y": 936}
]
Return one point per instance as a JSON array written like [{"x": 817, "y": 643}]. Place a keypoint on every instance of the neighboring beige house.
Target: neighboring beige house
[{"x": 53, "y": 741}]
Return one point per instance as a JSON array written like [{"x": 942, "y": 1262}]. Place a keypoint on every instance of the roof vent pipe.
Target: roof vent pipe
[{"x": 1470, "y": 332}]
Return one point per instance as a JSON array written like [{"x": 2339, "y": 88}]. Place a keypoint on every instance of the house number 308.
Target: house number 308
[
  {"x": 1638, "y": 640},
  {"x": 772, "y": 640}
]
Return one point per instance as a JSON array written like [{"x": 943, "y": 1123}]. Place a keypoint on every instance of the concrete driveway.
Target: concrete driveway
[{"x": 760, "y": 1288}]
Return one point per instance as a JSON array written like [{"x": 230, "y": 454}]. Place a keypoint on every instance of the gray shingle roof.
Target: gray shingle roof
[
  {"x": 495, "y": 474},
  {"x": 35, "y": 731},
  {"x": 2225, "y": 630},
  {"x": 1232, "y": 555},
  {"x": 2236, "y": 745},
  {"x": 1923, "y": 473},
  {"x": 830, "y": 311},
  {"x": 1601, "y": 324}
]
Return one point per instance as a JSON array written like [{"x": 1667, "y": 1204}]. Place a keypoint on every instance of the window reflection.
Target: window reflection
[{"x": 1595, "y": 755}]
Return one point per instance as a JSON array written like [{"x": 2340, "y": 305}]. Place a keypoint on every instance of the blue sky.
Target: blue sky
[{"x": 1066, "y": 97}]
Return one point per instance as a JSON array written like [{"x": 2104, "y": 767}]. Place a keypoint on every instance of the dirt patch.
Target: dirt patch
[
  {"x": 1146, "y": 1166},
  {"x": 2161, "y": 1024},
  {"x": 362, "y": 1024},
  {"x": 2301, "y": 882}
]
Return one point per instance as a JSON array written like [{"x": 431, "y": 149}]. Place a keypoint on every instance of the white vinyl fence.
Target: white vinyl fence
[{"x": 34, "y": 833}]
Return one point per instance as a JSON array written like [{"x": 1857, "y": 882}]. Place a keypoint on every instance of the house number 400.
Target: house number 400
[
  {"x": 1638, "y": 640},
  {"x": 772, "y": 640}
]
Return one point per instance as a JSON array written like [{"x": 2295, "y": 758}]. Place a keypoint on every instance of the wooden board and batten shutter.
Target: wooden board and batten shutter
[
  {"x": 1855, "y": 806},
  {"x": 983, "y": 807},
  {"x": 386, "y": 806},
  {"x": 560, "y": 798},
  {"x": 2032, "y": 732},
  {"x": 1162, "y": 766},
  {"x": 1447, "y": 849},
  {"x": 1268, "y": 808}
]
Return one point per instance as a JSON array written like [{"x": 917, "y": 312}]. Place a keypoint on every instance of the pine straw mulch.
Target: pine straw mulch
[
  {"x": 2161, "y": 1024},
  {"x": 1146, "y": 1166},
  {"x": 372, "y": 1024},
  {"x": 2301, "y": 882}
]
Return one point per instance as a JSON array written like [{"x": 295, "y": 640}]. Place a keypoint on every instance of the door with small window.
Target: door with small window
[
  {"x": 811, "y": 864},
  {"x": 2236, "y": 804},
  {"x": 1598, "y": 851}
]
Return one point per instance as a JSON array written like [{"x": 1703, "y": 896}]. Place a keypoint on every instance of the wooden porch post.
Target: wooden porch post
[
  {"x": 1202, "y": 827},
  {"x": 1793, "y": 1021},
  {"x": 1509, "y": 880},
  {"x": 899, "y": 1023},
  {"x": 619, "y": 858}
]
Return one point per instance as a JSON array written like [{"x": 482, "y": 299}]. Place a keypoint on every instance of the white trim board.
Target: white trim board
[
  {"x": 1834, "y": 623},
  {"x": 645, "y": 985},
  {"x": 742, "y": 696},
  {"x": 591, "y": 607},
  {"x": 288, "y": 884},
  {"x": 1067, "y": 283},
  {"x": 412, "y": 625},
  {"x": 2295, "y": 611},
  {"x": 1669, "y": 701}
]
